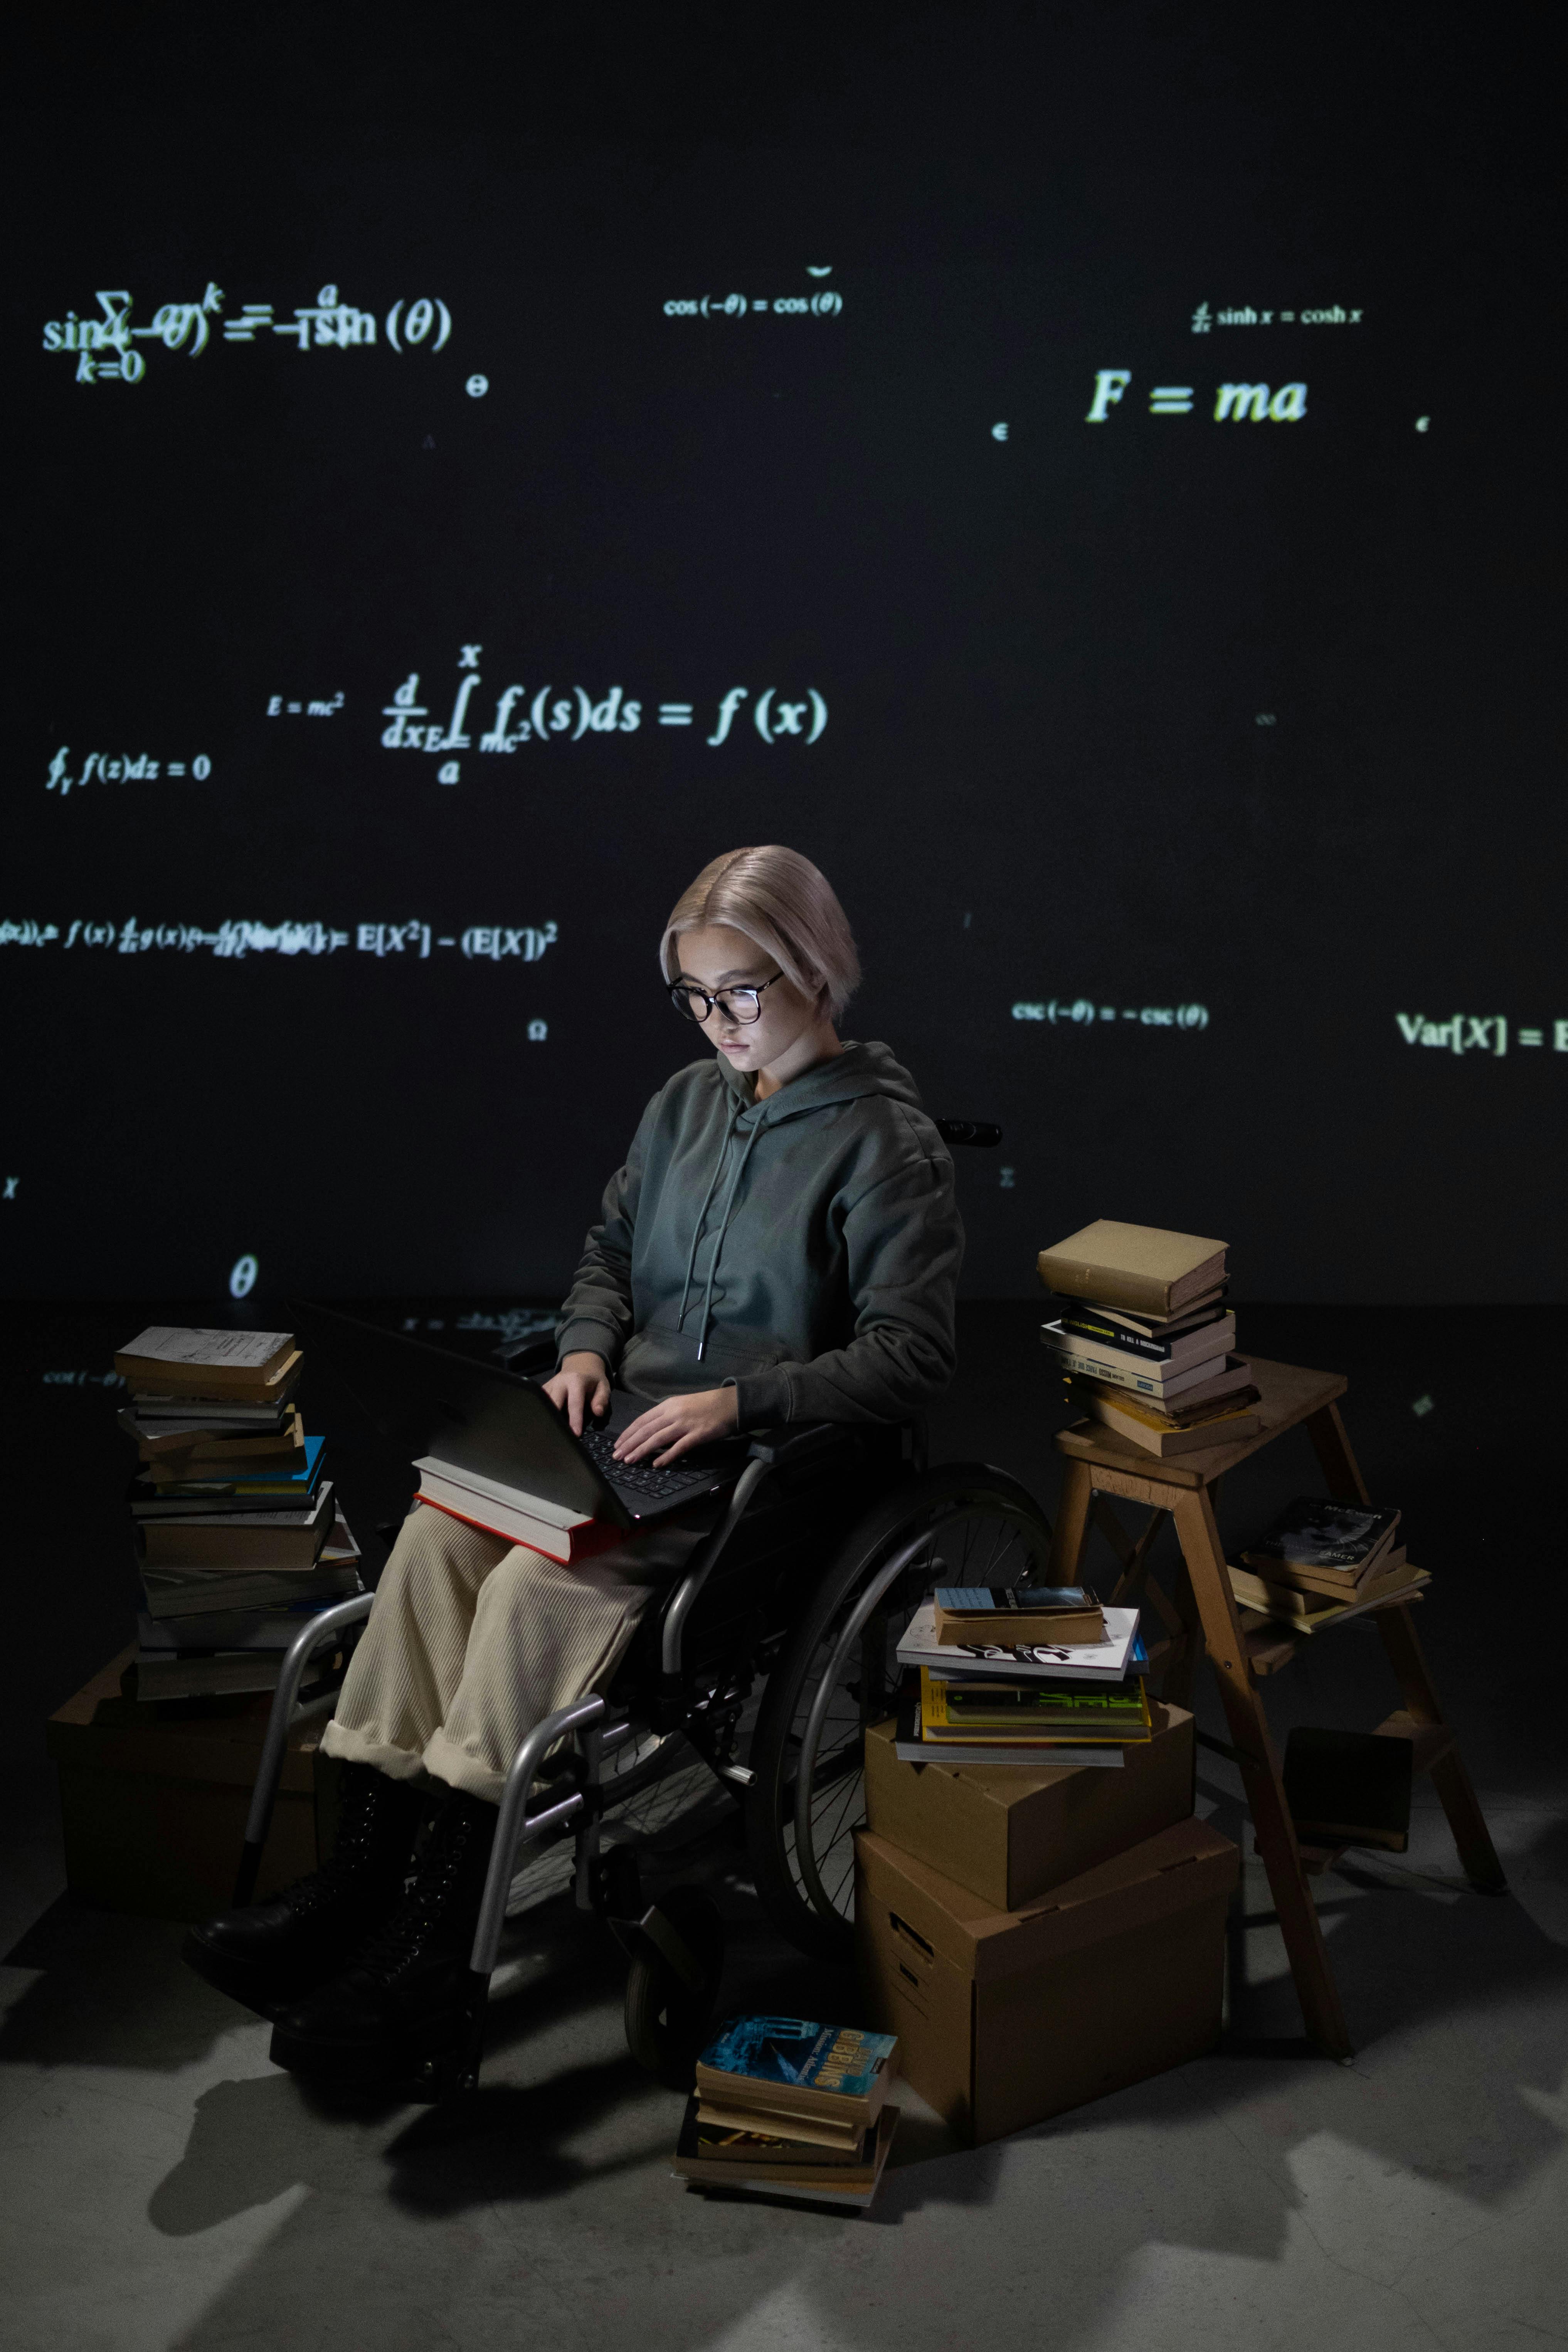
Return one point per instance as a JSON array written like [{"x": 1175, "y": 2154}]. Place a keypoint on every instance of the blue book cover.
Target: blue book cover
[
  {"x": 960, "y": 1598},
  {"x": 283, "y": 1487},
  {"x": 793, "y": 2052}
]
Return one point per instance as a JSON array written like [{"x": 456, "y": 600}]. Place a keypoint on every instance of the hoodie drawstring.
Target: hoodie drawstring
[
  {"x": 702, "y": 1211},
  {"x": 718, "y": 1238}
]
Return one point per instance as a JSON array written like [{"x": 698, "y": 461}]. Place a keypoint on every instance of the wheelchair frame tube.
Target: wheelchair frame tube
[
  {"x": 514, "y": 1827},
  {"x": 280, "y": 1722},
  {"x": 806, "y": 1860},
  {"x": 692, "y": 1584}
]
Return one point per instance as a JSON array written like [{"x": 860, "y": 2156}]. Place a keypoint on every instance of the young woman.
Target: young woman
[{"x": 782, "y": 1244}]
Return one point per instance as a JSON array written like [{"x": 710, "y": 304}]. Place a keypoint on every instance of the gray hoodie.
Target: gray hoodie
[{"x": 805, "y": 1248}]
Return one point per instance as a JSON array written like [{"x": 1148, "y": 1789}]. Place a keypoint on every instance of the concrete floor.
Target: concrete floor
[{"x": 165, "y": 2187}]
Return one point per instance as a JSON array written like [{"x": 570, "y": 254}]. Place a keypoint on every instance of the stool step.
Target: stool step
[{"x": 1430, "y": 1742}]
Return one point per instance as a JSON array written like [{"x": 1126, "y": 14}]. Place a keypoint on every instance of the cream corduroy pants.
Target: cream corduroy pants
[{"x": 473, "y": 1640}]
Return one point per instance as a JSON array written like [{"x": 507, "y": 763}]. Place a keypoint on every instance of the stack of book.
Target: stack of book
[
  {"x": 785, "y": 2107},
  {"x": 1321, "y": 1561},
  {"x": 1060, "y": 1681},
  {"x": 1144, "y": 1337},
  {"x": 238, "y": 1536}
]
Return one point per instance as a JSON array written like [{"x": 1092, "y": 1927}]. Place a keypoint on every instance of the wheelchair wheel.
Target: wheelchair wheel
[
  {"x": 667, "y": 2017},
  {"x": 961, "y": 1523}
]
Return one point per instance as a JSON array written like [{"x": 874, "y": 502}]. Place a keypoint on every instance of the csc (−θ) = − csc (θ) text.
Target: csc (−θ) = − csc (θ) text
[{"x": 1087, "y": 1012}]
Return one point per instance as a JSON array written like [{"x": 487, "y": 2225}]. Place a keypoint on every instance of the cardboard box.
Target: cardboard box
[
  {"x": 1010, "y": 1831},
  {"x": 154, "y": 1799},
  {"x": 1006, "y": 2017}
]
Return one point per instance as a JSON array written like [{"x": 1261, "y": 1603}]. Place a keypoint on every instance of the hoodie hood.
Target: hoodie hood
[{"x": 743, "y": 1241}]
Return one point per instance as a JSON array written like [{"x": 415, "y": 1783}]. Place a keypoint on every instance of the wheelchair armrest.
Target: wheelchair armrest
[{"x": 792, "y": 1443}]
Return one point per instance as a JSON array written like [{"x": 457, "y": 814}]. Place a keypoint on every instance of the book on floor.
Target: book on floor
[
  {"x": 792, "y": 2066},
  {"x": 152, "y": 1489},
  {"x": 157, "y": 1410},
  {"x": 1033, "y": 1710},
  {"x": 553, "y": 1528},
  {"x": 996, "y": 1612},
  {"x": 713, "y": 2158},
  {"x": 1144, "y": 1267},
  {"x": 1103, "y": 1662},
  {"x": 1349, "y": 1788},
  {"x": 1312, "y": 1532},
  {"x": 240, "y": 1539},
  {"x": 219, "y": 1453},
  {"x": 200, "y": 1591},
  {"x": 172, "y": 1359},
  {"x": 910, "y": 1745}
]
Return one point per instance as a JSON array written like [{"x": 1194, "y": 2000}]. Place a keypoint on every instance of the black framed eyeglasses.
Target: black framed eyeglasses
[{"x": 741, "y": 1005}]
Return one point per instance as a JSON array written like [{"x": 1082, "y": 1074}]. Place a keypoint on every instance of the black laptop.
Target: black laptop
[{"x": 479, "y": 1417}]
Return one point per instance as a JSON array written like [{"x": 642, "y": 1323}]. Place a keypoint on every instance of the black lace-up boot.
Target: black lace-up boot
[
  {"x": 271, "y": 1952},
  {"x": 400, "y": 1998}
]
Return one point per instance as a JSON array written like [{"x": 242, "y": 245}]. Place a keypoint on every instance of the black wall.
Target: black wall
[{"x": 1186, "y": 777}]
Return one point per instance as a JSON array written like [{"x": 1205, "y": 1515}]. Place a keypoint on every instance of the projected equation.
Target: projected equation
[
  {"x": 326, "y": 707},
  {"x": 1237, "y": 404},
  {"x": 410, "y": 942},
  {"x": 1084, "y": 1012},
  {"x": 822, "y": 304},
  {"x": 120, "y": 767},
  {"x": 566, "y": 714},
  {"x": 1242, "y": 314},
  {"x": 1480, "y": 1032},
  {"x": 107, "y": 348}
]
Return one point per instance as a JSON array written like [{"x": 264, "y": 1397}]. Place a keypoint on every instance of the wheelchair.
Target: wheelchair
[{"x": 764, "y": 1663}]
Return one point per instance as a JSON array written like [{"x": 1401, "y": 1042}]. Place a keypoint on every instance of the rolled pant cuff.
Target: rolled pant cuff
[
  {"x": 351, "y": 1746},
  {"x": 447, "y": 1762}
]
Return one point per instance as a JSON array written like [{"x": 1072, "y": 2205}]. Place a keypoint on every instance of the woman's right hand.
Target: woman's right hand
[{"x": 581, "y": 1388}]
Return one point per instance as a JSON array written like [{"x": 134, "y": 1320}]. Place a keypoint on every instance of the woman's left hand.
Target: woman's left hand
[{"x": 674, "y": 1427}]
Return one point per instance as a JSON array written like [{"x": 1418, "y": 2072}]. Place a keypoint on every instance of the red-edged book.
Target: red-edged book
[{"x": 559, "y": 1533}]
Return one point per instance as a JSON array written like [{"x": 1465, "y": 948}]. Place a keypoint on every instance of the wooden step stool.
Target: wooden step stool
[{"x": 1242, "y": 1646}]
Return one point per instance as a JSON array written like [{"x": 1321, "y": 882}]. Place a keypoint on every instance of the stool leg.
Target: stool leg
[
  {"x": 1180, "y": 1678},
  {"x": 1072, "y": 1524},
  {"x": 1299, "y": 1921},
  {"x": 1335, "y": 1459},
  {"x": 1478, "y": 1856}
]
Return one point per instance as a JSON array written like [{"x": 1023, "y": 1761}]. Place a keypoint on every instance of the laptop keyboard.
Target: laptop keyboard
[{"x": 638, "y": 1478}]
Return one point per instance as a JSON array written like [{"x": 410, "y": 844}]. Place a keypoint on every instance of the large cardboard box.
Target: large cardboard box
[
  {"x": 1010, "y": 1831},
  {"x": 1006, "y": 2017},
  {"x": 154, "y": 1799}
]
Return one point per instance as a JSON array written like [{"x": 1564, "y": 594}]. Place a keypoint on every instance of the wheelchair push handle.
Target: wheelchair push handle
[{"x": 980, "y": 1134}]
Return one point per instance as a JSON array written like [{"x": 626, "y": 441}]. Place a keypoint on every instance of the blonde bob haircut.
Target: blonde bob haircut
[{"x": 779, "y": 900}]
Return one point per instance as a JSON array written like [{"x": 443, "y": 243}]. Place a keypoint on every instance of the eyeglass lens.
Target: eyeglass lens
[{"x": 741, "y": 1004}]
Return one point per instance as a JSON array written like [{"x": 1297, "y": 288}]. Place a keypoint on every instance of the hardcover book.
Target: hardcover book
[{"x": 1143, "y": 1267}]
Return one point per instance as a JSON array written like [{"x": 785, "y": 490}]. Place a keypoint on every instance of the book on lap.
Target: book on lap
[{"x": 553, "y": 1528}]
